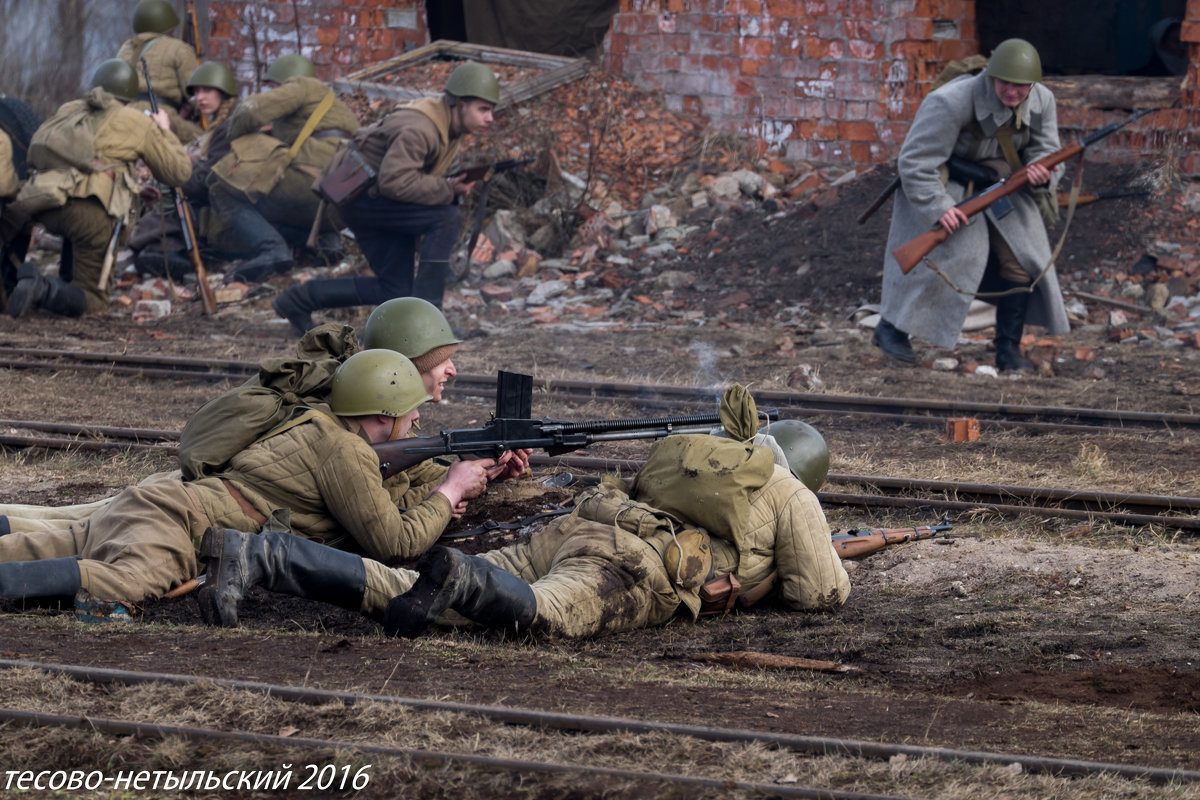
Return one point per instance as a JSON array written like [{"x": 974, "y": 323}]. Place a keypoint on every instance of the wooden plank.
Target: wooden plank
[
  {"x": 1122, "y": 92},
  {"x": 558, "y": 71}
]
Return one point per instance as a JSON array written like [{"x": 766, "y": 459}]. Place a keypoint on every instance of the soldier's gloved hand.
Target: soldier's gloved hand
[{"x": 149, "y": 194}]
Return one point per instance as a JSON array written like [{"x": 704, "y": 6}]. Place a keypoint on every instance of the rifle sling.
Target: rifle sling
[
  {"x": 491, "y": 525},
  {"x": 311, "y": 124}
]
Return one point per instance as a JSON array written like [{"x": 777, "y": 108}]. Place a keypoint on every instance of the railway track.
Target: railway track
[
  {"x": 897, "y": 410},
  {"x": 878, "y": 491},
  {"x": 579, "y": 725}
]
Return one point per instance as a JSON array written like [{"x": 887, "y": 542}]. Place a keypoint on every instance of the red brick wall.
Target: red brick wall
[
  {"x": 338, "y": 36},
  {"x": 836, "y": 82},
  {"x": 830, "y": 82}
]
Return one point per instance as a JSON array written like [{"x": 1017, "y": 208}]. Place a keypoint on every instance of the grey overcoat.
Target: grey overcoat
[{"x": 961, "y": 119}]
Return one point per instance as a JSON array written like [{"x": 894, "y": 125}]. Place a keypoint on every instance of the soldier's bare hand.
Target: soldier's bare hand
[
  {"x": 161, "y": 119},
  {"x": 1038, "y": 174},
  {"x": 952, "y": 219},
  {"x": 461, "y": 187},
  {"x": 511, "y": 464},
  {"x": 469, "y": 478}
]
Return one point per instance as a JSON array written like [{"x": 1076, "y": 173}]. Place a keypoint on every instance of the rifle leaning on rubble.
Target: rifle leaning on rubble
[
  {"x": 207, "y": 299},
  {"x": 512, "y": 429},
  {"x": 864, "y": 541},
  {"x": 909, "y": 254},
  {"x": 485, "y": 172}
]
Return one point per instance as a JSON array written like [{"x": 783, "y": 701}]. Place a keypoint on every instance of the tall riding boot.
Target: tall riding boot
[
  {"x": 297, "y": 303},
  {"x": 44, "y": 578},
  {"x": 893, "y": 342},
  {"x": 31, "y": 289},
  {"x": 279, "y": 561},
  {"x": 1010, "y": 324},
  {"x": 475, "y": 588},
  {"x": 65, "y": 299},
  {"x": 430, "y": 283}
]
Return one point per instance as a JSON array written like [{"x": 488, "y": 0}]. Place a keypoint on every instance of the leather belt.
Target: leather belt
[{"x": 247, "y": 509}]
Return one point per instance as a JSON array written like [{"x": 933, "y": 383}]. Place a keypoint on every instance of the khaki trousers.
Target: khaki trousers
[{"x": 141, "y": 545}]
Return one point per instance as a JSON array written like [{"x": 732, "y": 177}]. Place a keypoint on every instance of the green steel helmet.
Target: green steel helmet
[
  {"x": 376, "y": 382},
  {"x": 154, "y": 16},
  {"x": 116, "y": 77},
  {"x": 804, "y": 448},
  {"x": 472, "y": 79},
  {"x": 1015, "y": 61},
  {"x": 408, "y": 325},
  {"x": 290, "y": 66},
  {"x": 214, "y": 75}
]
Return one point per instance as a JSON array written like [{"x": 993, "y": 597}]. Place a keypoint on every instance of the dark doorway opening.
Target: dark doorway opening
[
  {"x": 445, "y": 20},
  {"x": 1107, "y": 37}
]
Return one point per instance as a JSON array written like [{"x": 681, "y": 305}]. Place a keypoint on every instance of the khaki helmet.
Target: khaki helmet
[
  {"x": 213, "y": 75},
  {"x": 154, "y": 16},
  {"x": 408, "y": 325},
  {"x": 472, "y": 79},
  {"x": 1015, "y": 61},
  {"x": 804, "y": 448},
  {"x": 290, "y": 66},
  {"x": 116, "y": 77},
  {"x": 376, "y": 382}
]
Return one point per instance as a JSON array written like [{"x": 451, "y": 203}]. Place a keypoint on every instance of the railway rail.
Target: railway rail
[
  {"x": 575, "y": 723},
  {"x": 898, "y": 410},
  {"x": 1171, "y": 511}
]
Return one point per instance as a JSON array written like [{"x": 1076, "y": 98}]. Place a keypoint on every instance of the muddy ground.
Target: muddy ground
[{"x": 1029, "y": 634}]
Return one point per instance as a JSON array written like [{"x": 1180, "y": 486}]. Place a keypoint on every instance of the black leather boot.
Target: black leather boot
[
  {"x": 477, "y": 589},
  {"x": 44, "y": 578},
  {"x": 63, "y": 298},
  {"x": 1010, "y": 324},
  {"x": 430, "y": 283},
  {"x": 158, "y": 264},
  {"x": 893, "y": 342},
  {"x": 279, "y": 561},
  {"x": 297, "y": 303},
  {"x": 31, "y": 289}
]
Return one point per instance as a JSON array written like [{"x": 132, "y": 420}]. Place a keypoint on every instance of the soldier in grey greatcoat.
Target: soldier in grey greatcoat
[{"x": 1005, "y": 118}]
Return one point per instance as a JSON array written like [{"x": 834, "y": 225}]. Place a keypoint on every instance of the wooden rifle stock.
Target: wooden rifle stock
[
  {"x": 909, "y": 254},
  {"x": 192, "y": 33},
  {"x": 864, "y": 541}
]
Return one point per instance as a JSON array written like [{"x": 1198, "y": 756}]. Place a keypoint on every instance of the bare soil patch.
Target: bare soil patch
[{"x": 1034, "y": 635}]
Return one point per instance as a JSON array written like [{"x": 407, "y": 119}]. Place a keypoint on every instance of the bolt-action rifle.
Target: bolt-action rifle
[
  {"x": 207, "y": 299},
  {"x": 485, "y": 172},
  {"x": 191, "y": 35},
  {"x": 1064, "y": 200},
  {"x": 512, "y": 429},
  {"x": 864, "y": 541},
  {"x": 909, "y": 254}
]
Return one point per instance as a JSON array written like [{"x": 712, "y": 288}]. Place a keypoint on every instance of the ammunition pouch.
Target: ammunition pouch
[
  {"x": 47, "y": 190},
  {"x": 1047, "y": 203},
  {"x": 719, "y": 595},
  {"x": 346, "y": 177}
]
